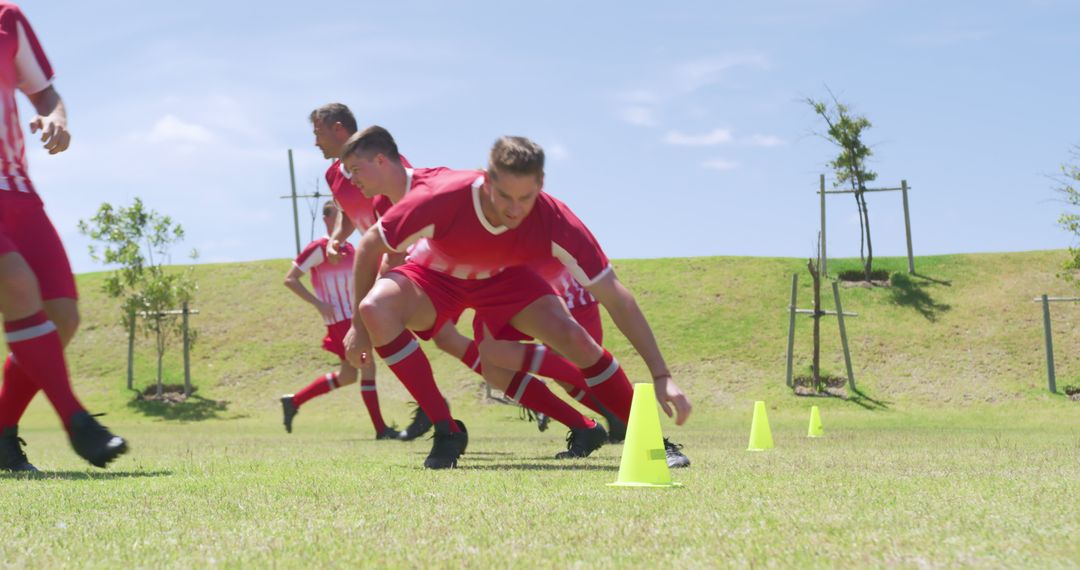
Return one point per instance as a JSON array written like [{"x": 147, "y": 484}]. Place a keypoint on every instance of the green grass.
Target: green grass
[
  {"x": 926, "y": 490},
  {"x": 953, "y": 453}
]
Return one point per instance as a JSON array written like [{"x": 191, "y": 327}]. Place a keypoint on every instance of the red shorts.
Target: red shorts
[
  {"x": 496, "y": 299},
  {"x": 335, "y": 337},
  {"x": 588, "y": 316},
  {"x": 26, "y": 230}
]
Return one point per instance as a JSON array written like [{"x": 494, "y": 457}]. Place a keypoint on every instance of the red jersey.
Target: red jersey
[
  {"x": 443, "y": 206},
  {"x": 358, "y": 208},
  {"x": 560, "y": 279},
  {"x": 23, "y": 66},
  {"x": 333, "y": 282}
]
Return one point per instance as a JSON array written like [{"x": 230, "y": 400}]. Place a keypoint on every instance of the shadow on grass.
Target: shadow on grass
[
  {"x": 906, "y": 292},
  {"x": 85, "y": 475},
  {"x": 535, "y": 467},
  {"x": 858, "y": 397},
  {"x": 195, "y": 408}
]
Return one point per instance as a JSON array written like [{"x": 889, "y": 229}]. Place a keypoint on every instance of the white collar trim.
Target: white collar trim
[{"x": 494, "y": 230}]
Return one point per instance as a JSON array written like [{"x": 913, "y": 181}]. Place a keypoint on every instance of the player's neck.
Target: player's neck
[
  {"x": 398, "y": 186},
  {"x": 487, "y": 208}
]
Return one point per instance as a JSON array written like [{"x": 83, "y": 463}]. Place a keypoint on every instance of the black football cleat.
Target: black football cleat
[
  {"x": 93, "y": 442},
  {"x": 446, "y": 447},
  {"x": 389, "y": 432},
  {"x": 582, "y": 442},
  {"x": 675, "y": 457},
  {"x": 419, "y": 425},
  {"x": 288, "y": 410},
  {"x": 616, "y": 429},
  {"x": 12, "y": 457}
]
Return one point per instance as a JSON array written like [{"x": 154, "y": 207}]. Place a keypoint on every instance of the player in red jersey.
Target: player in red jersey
[
  {"x": 37, "y": 289},
  {"x": 333, "y": 298},
  {"x": 332, "y": 125},
  {"x": 483, "y": 229}
]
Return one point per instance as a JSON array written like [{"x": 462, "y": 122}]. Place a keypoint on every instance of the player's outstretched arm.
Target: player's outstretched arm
[
  {"x": 626, "y": 314},
  {"x": 51, "y": 120},
  {"x": 369, "y": 257},
  {"x": 294, "y": 284},
  {"x": 343, "y": 228}
]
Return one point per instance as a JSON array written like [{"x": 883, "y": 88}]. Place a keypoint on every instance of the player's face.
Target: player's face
[
  {"x": 365, "y": 174},
  {"x": 325, "y": 139},
  {"x": 512, "y": 197}
]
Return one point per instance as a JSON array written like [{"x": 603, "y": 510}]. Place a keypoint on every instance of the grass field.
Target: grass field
[
  {"x": 881, "y": 489},
  {"x": 953, "y": 453}
]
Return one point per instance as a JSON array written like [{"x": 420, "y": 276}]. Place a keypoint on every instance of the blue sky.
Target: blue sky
[{"x": 673, "y": 129}]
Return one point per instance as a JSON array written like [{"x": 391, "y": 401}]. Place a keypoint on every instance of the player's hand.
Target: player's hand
[
  {"x": 670, "y": 396},
  {"x": 333, "y": 251},
  {"x": 54, "y": 134},
  {"x": 357, "y": 346},
  {"x": 327, "y": 311}
]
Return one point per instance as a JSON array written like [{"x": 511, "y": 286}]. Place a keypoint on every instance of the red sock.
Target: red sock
[
  {"x": 318, "y": 387},
  {"x": 36, "y": 346},
  {"x": 15, "y": 394},
  {"x": 526, "y": 390},
  {"x": 609, "y": 384},
  {"x": 472, "y": 358},
  {"x": 370, "y": 394},
  {"x": 542, "y": 361},
  {"x": 407, "y": 361},
  {"x": 586, "y": 399}
]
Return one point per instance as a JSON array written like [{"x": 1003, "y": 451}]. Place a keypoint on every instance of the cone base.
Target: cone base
[
  {"x": 620, "y": 484},
  {"x": 758, "y": 448}
]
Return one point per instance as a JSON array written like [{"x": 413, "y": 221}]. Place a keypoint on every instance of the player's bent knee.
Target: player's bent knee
[{"x": 18, "y": 289}]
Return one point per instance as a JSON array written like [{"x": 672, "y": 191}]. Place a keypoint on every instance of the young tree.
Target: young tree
[
  {"x": 1070, "y": 221},
  {"x": 138, "y": 240},
  {"x": 845, "y": 131}
]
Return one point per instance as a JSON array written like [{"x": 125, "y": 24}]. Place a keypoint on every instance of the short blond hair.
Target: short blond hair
[{"x": 516, "y": 155}]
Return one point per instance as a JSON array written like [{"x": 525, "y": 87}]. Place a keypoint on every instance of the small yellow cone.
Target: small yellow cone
[
  {"x": 760, "y": 434},
  {"x": 644, "y": 461},
  {"x": 816, "y": 430}
]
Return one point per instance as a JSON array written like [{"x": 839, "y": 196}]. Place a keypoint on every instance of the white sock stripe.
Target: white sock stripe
[
  {"x": 476, "y": 364},
  {"x": 402, "y": 354},
  {"x": 601, "y": 377},
  {"x": 538, "y": 357},
  {"x": 580, "y": 395},
  {"x": 521, "y": 388},
  {"x": 330, "y": 381},
  {"x": 368, "y": 388},
  {"x": 30, "y": 332}
]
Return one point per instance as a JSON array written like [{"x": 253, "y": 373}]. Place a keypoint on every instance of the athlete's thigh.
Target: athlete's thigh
[{"x": 398, "y": 294}]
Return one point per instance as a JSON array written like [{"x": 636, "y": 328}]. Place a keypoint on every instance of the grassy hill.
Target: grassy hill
[{"x": 963, "y": 331}]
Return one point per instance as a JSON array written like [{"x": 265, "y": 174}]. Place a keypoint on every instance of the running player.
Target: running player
[
  {"x": 38, "y": 298},
  {"x": 333, "y": 298},
  {"x": 484, "y": 228}
]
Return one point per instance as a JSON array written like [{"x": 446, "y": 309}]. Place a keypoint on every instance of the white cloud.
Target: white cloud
[
  {"x": 721, "y": 164},
  {"x": 696, "y": 74},
  {"x": 638, "y": 115},
  {"x": 765, "y": 141},
  {"x": 171, "y": 129},
  {"x": 556, "y": 151},
  {"x": 711, "y": 138}
]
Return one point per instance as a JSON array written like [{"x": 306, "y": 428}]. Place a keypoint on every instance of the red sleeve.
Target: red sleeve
[
  {"x": 313, "y": 254},
  {"x": 32, "y": 68},
  {"x": 418, "y": 215},
  {"x": 574, "y": 245}
]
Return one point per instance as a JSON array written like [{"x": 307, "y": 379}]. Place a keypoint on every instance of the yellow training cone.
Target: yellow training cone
[
  {"x": 815, "y": 424},
  {"x": 644, "y": 461},
  {"x": 760, "y": 434}
]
